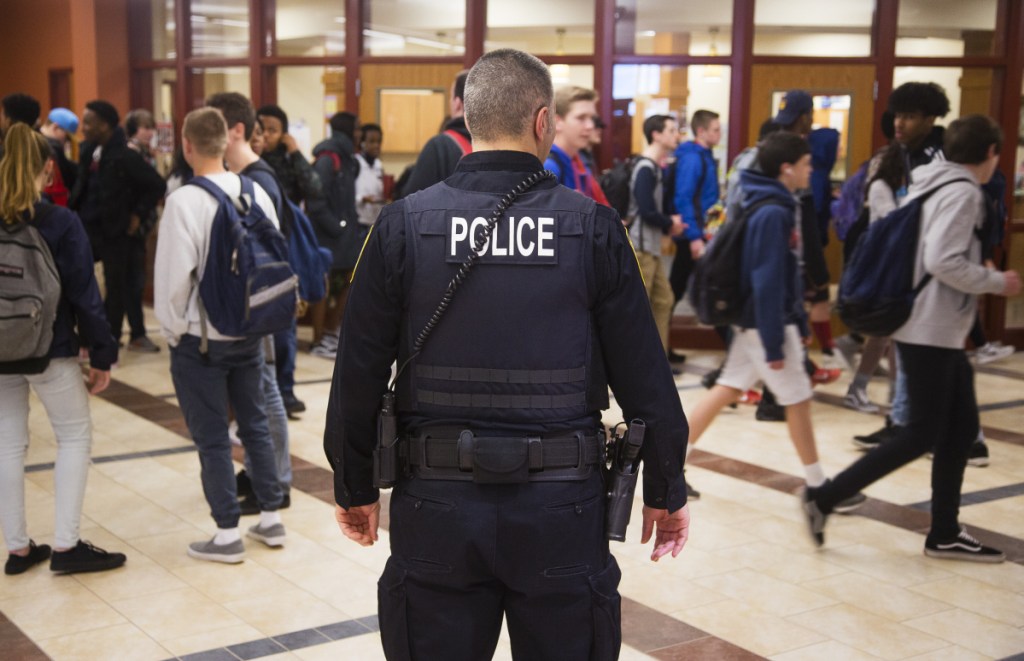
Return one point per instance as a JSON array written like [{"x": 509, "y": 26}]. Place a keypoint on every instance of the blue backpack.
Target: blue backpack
[
  {"x": 308, "y": 260},
  {"x": 248, "y": 288},
  {"x": 877, "y": 290}
]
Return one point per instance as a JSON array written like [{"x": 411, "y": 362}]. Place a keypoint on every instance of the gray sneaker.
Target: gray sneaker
[
  {"x": 232, "y": 553},
  {"x": 815, "y": 518},
  {"x": 857, "y": 399},
  {"x": 273, "y": 536}
]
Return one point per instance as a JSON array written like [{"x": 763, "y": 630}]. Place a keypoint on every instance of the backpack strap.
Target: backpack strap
[
  {"x": 465, "y": 145},
  {"x": 222, "y": 198},
  {"x": 926, "y": 278},
  {"x": 335, "y": 159}
]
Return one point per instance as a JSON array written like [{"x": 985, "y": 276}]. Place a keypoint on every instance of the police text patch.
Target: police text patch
[{"x": 530, "y": 239}]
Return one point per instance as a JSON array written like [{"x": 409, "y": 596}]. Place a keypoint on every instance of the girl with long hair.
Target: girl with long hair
[{"x": 55, "y": 376}]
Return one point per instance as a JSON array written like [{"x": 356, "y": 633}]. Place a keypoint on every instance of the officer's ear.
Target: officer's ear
[{"x": 544, "y": 130}]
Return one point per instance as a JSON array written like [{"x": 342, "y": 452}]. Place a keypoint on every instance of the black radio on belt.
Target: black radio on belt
[
  {"x": 623, "y": 454},
  {"x": 385, "y": 457}
]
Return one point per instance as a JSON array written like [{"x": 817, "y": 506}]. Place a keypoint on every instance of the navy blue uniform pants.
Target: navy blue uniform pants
[{"x": 466, "y": 554}]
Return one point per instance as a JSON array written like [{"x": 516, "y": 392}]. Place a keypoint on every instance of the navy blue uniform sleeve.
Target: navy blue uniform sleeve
[
  {"x": 368, "y": 346},
  {"x": 765, "y": 248},
  {"x": 643, "y": 192},
  {"x": 637, "y": 368},
  {"x": 74, "y": 260}
]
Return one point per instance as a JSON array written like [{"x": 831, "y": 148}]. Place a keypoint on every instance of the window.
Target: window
[
  {"x": 415, "y": 27},
  {"x": 222, "y": 79},
  {"x": 309, "y": 96},
  {"x": 950, "y": 28},
  {"x": 163, "y": 29},
  {"x": 310, "y": 27},
  {"x": 541, "y": 27},
  {"x": 805, "y": 28},
  {"x": 642, "y": 90},
  {"x": 220, "y": 29},
  {"x": 677, "y": 27},
  {"x": 968, "y": 90}
]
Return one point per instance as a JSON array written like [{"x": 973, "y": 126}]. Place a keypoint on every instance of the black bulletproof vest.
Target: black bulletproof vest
[{"x": 517, "y": 343}]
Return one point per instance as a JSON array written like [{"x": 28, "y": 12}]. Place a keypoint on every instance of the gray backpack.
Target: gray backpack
[{"x": 29, "y": 294}]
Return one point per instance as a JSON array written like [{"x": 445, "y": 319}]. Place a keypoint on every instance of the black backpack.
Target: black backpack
[
  {"x": 716, "y": 293},
  {"x": 877, "y": 289},
  {"x": 616, "y": 185}
]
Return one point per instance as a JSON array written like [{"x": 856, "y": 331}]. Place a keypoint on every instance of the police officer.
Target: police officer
[{"x": 499, "y": 507}]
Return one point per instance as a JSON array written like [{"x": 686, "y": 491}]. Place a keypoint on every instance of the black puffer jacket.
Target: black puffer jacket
[
  {"x": 334, "y": 215},
  {"x": 107, "y": 196}
]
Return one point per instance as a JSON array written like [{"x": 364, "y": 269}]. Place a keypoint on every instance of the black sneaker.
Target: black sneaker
[
  {"x": 978, "y": 454},
  {"x": 815, "y": 518},
  {"x": 251, "y": 506},
  {"x": 85, "y": 558},
  {"x": 711, "y": 378},
  {"x": 770, "y": 411},
  {"x": 850, "y": 504},
  {"x": 18, "y": 564},
  {"x": 676, "y": 357},
  {"x": 963, "y": 547},
  {"x": 876, "y": 438},
  {"x": 243, "y": 484},
  {"x": 691, "y": 493},
  {"x": 292, "y": 404}
]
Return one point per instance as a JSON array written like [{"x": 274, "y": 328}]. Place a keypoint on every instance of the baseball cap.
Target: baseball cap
[
  {"x": 65, "y": 119},
  {"x": 794, "y": 104}
]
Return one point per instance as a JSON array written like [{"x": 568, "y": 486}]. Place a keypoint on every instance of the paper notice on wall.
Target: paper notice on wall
[
  {"x": 300, "y": 131},
  {"x": 165, "y": 137}
]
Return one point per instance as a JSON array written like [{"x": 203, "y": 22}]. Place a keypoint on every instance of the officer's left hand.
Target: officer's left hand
[
  {"x": 673, "y": 530},
  {"x": 359, "y": 523}
]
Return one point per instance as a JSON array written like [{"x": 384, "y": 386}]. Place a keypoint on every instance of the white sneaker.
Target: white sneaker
[
  {"x": 857, "y": 399},
  {"x": 233, "y": 433},
  {"x": 991, "y": 352},
  {"x": 320, "y": 350},
  {"x": 329, "y": 340}
]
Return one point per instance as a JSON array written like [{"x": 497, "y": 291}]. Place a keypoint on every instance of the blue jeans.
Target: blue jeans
[
  {"x": 205, "y": 385},
  {"x": 899, "y": 415},
  {"x": 286, "y": 345},
  {"x": 277, "y": 419}
]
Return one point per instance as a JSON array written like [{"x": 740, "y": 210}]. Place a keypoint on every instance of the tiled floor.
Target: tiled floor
[{"x": 748, "y": 585}]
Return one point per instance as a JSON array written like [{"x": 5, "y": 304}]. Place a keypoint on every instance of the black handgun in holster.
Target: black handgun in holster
[
  {"x": 385, "y": 457},
  {"x": 623, "y": 456}
]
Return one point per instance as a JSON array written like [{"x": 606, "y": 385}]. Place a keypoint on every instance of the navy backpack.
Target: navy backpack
[
  {"x": 877, "y": 289},
  {"x": 248, "y": 288}
]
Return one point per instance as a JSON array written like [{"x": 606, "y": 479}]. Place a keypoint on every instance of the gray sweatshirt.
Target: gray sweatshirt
[{"x": 950, "y": 250}]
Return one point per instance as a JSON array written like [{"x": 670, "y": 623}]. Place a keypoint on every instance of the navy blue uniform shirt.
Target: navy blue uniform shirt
[{"x": 634, "y": 363}]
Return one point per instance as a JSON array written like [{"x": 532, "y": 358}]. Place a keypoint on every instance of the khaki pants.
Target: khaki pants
[{"x": 658, "y": 291}]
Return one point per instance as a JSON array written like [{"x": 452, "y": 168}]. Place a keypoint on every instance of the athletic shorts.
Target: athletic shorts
[{"x": 745, "y": 365}]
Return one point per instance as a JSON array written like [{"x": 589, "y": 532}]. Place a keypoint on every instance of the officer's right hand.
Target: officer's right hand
[
  {"x": 359, "y": 523},
  {"x": 673, "y": 530}
]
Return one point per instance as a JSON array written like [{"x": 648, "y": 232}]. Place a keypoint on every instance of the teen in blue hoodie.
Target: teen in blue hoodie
[{"x": 768, "y": 343}]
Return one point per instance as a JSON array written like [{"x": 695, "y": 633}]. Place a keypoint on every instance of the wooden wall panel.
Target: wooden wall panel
[{"x": 373, "y": 77}]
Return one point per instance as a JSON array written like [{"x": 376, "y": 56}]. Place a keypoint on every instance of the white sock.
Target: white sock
[
  {"x": 269, "y": 519},
  {"x": 815, "y": 474},
  {"x": 226, "y": 536}
]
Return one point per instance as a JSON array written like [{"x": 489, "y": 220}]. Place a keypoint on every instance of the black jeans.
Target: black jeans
[
  {"x": 124, "y": 275},
  {"x": 464, "y": 554},
  {"x": 682, "y": 269},
  {"x": 943, "y": 418}
]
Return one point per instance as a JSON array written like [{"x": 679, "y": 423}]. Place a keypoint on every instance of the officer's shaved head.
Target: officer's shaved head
[{"x": 504, "y": 91}]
